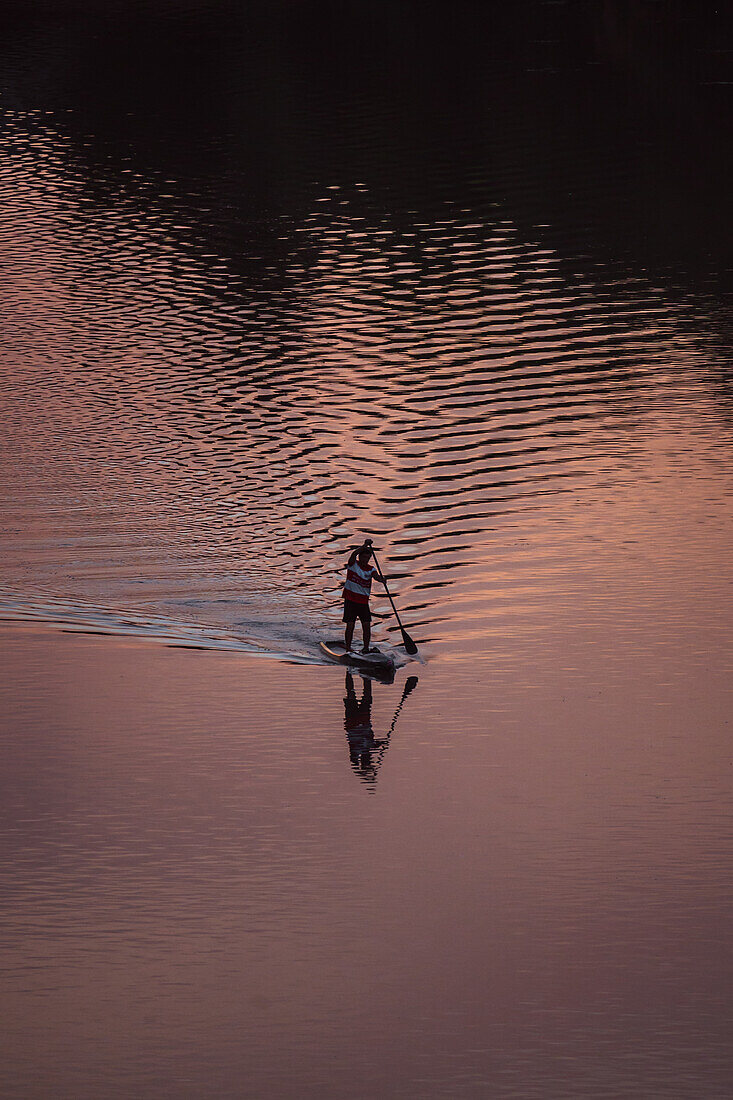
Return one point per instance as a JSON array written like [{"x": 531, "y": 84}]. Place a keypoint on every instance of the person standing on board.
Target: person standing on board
[{"x": 357, "y": 587}]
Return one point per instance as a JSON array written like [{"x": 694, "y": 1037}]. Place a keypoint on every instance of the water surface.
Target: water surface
[{"x": 249, "y": 318}]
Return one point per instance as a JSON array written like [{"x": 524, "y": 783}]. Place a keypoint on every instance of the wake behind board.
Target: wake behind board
[{"x": 376, "y": 661}]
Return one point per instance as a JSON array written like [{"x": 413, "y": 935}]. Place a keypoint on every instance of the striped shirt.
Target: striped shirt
[{"x": 358, "y": 583}]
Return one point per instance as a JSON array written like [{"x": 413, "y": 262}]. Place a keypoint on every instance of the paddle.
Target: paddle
[{"x": 406, "y": 639}]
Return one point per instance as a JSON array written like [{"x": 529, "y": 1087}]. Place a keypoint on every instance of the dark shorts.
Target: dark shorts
[{"x": 354, "y": 611}]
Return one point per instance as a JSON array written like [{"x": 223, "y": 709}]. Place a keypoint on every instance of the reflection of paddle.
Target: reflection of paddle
[
  {"x": 410, "y": 683},
  {"x": 383, "y": 744},
  {"x": 407, "y": 640}
]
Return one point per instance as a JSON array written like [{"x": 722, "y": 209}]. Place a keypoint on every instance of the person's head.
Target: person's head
[{"x": 365, "y": 552}]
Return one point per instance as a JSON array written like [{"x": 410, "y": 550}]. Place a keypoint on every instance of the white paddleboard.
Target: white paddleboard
[{"x": 378, "y": 661}]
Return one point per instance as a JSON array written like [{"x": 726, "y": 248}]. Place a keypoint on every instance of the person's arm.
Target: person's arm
[
  {"x": 375, "y": 572},
  {"x": 356, "y": 550},
  {"x": 349, "y": 563}
]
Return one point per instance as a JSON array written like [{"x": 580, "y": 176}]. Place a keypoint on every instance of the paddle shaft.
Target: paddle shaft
[{"x": 409, "y": 644}]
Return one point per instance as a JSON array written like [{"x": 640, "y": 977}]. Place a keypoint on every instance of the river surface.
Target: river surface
[{"x": 250, "y": 316}]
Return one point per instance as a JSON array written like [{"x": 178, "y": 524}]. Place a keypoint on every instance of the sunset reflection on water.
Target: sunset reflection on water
[
  {"x": 468, "y": 413},
  {"x": 248, "y": 320}
]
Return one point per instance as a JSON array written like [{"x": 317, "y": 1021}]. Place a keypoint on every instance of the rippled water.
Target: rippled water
[
  {"x": 229, "y": 351},
  {"x": 494, "y": 421}
]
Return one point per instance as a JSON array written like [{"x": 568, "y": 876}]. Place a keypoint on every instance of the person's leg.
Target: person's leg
[
  {"x": 366, "y": 628},
  {"x": 349, "y": 634}
]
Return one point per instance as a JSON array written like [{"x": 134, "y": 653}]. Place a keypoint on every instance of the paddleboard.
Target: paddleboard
[{"x": 379, "y": 662}]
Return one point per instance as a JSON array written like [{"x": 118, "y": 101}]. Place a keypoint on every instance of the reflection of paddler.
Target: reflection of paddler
[
  {"x": 358, "y": 726},
  {"x": 359, "y": 732}
]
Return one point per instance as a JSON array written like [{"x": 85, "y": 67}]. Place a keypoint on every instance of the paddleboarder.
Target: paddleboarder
[{"x": 357, "y": 588}]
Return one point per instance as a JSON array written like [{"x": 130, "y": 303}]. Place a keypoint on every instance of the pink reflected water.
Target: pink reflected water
[
  {"x": 507, "y": 879},
  {"x": 200, "y": 892}
]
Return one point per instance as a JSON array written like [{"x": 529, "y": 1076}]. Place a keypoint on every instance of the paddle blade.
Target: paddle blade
[{"x": 408, "y": 643}]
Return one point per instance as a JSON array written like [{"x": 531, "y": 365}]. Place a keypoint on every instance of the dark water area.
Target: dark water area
[
  {"x": 608, "y": 121},
  {"x": 276, "y": 277}
]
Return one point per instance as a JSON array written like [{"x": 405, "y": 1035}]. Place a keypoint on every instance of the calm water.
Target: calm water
[{"x": 265, "y": 298}]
